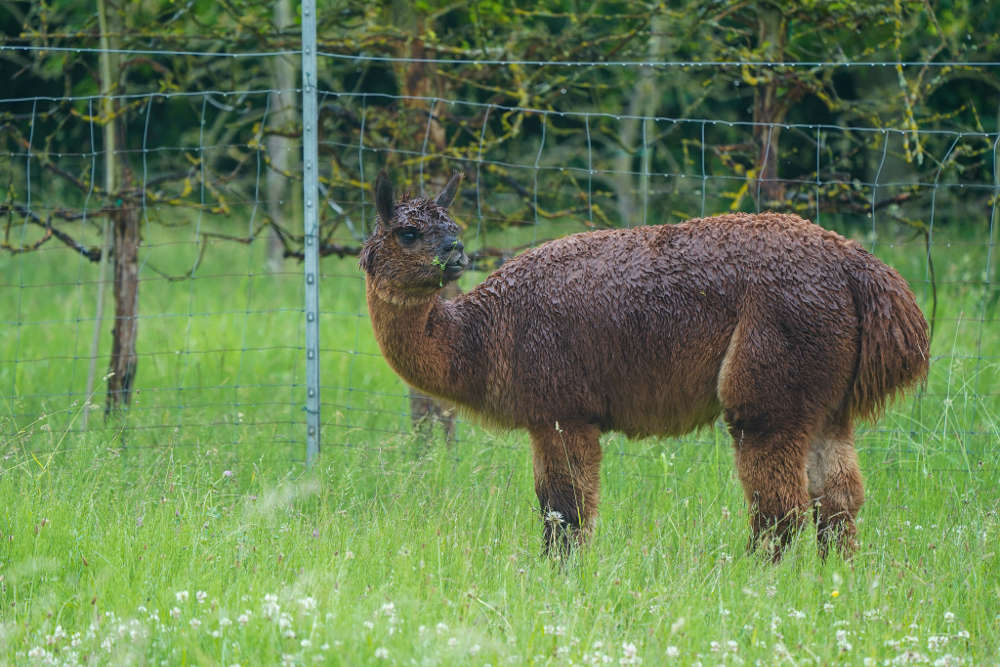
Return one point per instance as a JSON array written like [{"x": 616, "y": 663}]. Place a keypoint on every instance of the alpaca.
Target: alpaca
[{"x": 789, "y": 331}]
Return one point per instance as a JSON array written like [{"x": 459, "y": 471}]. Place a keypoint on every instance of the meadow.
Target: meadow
[{"x": 190, "y": 531}]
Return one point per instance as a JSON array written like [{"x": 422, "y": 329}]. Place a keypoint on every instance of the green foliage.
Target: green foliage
[{"x": 426, "y": 117}]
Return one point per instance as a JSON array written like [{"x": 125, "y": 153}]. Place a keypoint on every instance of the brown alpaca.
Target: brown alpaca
[{"x": 790, "y": 331}]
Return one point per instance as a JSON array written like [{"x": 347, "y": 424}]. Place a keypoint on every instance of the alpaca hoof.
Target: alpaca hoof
[{"x": 842, "y": 535}]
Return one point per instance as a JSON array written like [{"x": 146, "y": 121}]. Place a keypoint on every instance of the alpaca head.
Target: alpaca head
[{"x": 414, "y": 248}]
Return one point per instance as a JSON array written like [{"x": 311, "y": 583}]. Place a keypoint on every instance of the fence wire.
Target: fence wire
[{"x": 221, "y": 358}]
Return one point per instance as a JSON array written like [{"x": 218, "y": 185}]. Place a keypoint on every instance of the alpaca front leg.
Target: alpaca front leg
[{"x": 567, "y": 461}]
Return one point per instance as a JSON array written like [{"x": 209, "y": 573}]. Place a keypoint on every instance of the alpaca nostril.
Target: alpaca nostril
[{"x": 453, "y": 245}]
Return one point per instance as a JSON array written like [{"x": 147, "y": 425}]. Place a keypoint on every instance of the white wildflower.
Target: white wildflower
[
  {"x": 271, "y": 606},
  {"x": 629, "y": 655},
  {"x": 935, "y": 642}
]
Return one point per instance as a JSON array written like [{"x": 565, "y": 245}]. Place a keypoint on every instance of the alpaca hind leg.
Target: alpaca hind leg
[
  {"x": 773, "y": 473},
  {"x": 567, "y": 461},
  {"x": 836, "y": 489},
  {"x": 768, "y": 388}
]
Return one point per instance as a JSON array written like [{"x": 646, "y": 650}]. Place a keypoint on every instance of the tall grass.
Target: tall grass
[{"x": 188, "y": 532}]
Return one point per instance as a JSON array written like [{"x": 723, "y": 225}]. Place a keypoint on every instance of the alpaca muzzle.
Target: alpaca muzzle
[
  {"x": 453, "y": 258},
  {"x": 454, "y": 265}
]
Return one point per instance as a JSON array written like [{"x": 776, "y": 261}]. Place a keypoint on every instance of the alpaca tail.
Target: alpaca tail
[{"x": 895, "y": 349}]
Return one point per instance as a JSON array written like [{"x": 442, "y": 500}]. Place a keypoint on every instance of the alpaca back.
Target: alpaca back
[{"x": 628, "y": 328}]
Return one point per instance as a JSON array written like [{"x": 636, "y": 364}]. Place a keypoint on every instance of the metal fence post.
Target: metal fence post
[{"x": 310, "y": 223}]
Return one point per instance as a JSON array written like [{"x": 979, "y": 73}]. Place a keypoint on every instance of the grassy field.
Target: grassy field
[{"x": 191, "y": 533}]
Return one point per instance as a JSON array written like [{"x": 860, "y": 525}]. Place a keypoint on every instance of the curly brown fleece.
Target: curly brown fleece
[{"x": 789, "y": 331}]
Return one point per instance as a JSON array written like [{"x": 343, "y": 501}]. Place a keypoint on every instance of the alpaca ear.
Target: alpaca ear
[
  {"x": 450, "y": 190},
  {"x": 384, "y": 203}
]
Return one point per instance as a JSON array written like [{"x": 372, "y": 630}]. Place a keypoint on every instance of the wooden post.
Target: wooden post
[{"x": 122, "y": 369}]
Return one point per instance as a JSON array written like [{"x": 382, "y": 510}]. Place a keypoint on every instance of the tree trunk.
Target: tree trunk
[
  {"x": 121, "y": 374},
  {"x": 642, "y": 107},
  {"x": 281, "y": 122},
  {"x": 418, "y": 80},
  {"x": 768, "y": 113},
  {"x": 769, "y": 109}
]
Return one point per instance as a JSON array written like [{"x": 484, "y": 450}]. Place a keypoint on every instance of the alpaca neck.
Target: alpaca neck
[{"x": 421, "y": 337}]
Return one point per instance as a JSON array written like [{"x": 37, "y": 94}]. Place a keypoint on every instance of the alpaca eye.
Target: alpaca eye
[{"x": 408, "y": 234}]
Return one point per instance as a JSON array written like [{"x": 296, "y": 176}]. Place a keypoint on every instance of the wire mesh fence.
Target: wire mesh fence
[{"x": 214, "y": 178}]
